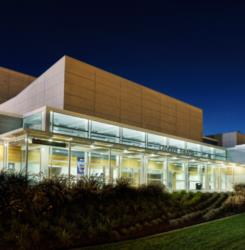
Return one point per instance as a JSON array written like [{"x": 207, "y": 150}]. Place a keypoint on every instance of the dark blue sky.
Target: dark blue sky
[{"x": 194, "y": 51}]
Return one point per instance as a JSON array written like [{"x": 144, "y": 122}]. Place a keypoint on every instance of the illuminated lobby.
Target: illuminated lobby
[{"x": 56, "y": 136}]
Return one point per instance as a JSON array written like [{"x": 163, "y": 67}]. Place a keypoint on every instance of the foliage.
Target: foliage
[{"x": 60, "y": 214}]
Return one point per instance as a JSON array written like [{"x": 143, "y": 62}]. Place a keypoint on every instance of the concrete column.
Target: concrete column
[
  {"x": 186, "y": 174},
  {"x": 165, "y": 173},
  {"x": 143, "y": 170},
  {"x": 5, "y": 155},
  {"x": 110, "y": 167},
  {"x": 89, "y": 162},
  {"x": 119, "y": 159},
  {"x": 69, "y": 162},
  {"x": 26, "y": 155},
  {"x": 44, "y": 161},
  {"x": 200, "y": 174},
  {"x": 206, "y": 178},
  {"x": 86, "y": 158}
]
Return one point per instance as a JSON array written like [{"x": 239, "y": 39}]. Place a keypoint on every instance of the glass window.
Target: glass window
[
  {"x": 155, "y": 171},
  {"x": 69, "y": 125},
  {"x": 130, "y": 168},
  {"x": 176, "y": 143},
  {"x": 156, "y": 141},
  {"x": 195, "y": 173},
  {"x": 58, "y": 162},
  {"x": 33, "y": 121},
  {"x": 78, "y": 162},
  {"x": 176, "y": 175},
  {"x": 193, "y": 149},
  {"x": 99, "y": 164},
  {"x": 105, "y": 132},
  {"x": 220, "y": 154},
  {"x": 16, "y": 157},
  {"x": 208, "y": 152},
  {"x": 133, "y": 137},
  {"x": 34, "y": 162}
]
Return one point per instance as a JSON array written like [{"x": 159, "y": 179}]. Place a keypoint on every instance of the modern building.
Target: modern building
[
  {"x": 77, "y": 120},
  {"x": 228, "y": 139}
]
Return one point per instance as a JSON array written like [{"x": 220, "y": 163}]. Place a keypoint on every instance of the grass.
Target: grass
[{"x": 224, "y": 234}]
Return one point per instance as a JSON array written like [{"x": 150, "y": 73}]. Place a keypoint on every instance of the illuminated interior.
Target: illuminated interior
[{"x": 72, "y": 146}]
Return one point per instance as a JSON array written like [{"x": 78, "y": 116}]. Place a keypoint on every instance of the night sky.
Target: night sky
[{"x": 194, "y": 51}]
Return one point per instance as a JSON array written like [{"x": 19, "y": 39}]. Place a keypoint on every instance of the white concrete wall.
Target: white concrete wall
[
  {"x": 236, "y": 154},
  {"x": 46, "y": 90},
  {"x": 229, "y": 139}
]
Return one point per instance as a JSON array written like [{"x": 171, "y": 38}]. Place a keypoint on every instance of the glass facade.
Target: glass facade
[
  {"x": 34, "y": 121},
  {"x": 73, "y": 147},
  {"x": 85, "y": 128}
]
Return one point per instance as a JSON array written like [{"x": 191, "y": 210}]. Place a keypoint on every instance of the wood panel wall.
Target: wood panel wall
[{"x": 92, "y": 91}]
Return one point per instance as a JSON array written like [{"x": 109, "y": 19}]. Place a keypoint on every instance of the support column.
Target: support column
[
  {"x": 26, "y": 155},
  {"x": 89, "y": 163},
  {"x": 143, "y": 169},
  {"x": 186, "y": 174},
  {"x": 233, "y": 177},
  {"x": 5, "y": 155},
  {"x": 69, "y": 162},
  {"x": 86, "y": 158},
  {"x": 165, "y": 173},
  {"x": 44, "y": 162},
  {"x": 110, "y": 168},
  {"x": 119, "y": 162},
  {"x": 206, "y": 178},
  {"x": 219, "y": 178},
  {"x": 200, "y": 174}
]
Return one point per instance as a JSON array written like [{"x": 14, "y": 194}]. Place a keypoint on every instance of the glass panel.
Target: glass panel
[
  {"x": 208, "y": 152},
  {"x": 105, "y": 132},
  {"x": 156, "y": 141},
  {"x": 176, "y": 175},
  {"x": 239, "y": 175},
  {"x": 193, "y": 149},
  {"x": 58, "y": 162},
  {"x": 176, "y": 143},
  {"x": 195, "y": 173},
  {"x": 78, "y": 162},
  {"x": 220, "y": 154},
  {"x": 155, "y": 171},
  {"x": 69, "y": 125},
  {"x": 34, "y": 162},
  {"x": 99, "y": 164},
  {"x": 213, "y": 174},
  {"x": 33, "y": 121},
  {"x": 16, "y": 155},
  {"x": 130, "y": 169},
  {"x": 116, "y": 156},
  {"x": 133, "y": 137},
  {"x": 225, "y": 178}
]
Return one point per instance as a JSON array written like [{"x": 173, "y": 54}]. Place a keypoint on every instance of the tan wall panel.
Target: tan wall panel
[
  {"x": 12, "y": 83},
  {"x": 124, "y": 101}
]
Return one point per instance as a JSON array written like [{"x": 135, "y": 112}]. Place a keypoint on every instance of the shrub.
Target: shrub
[{"x": 61, "y": 214}]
